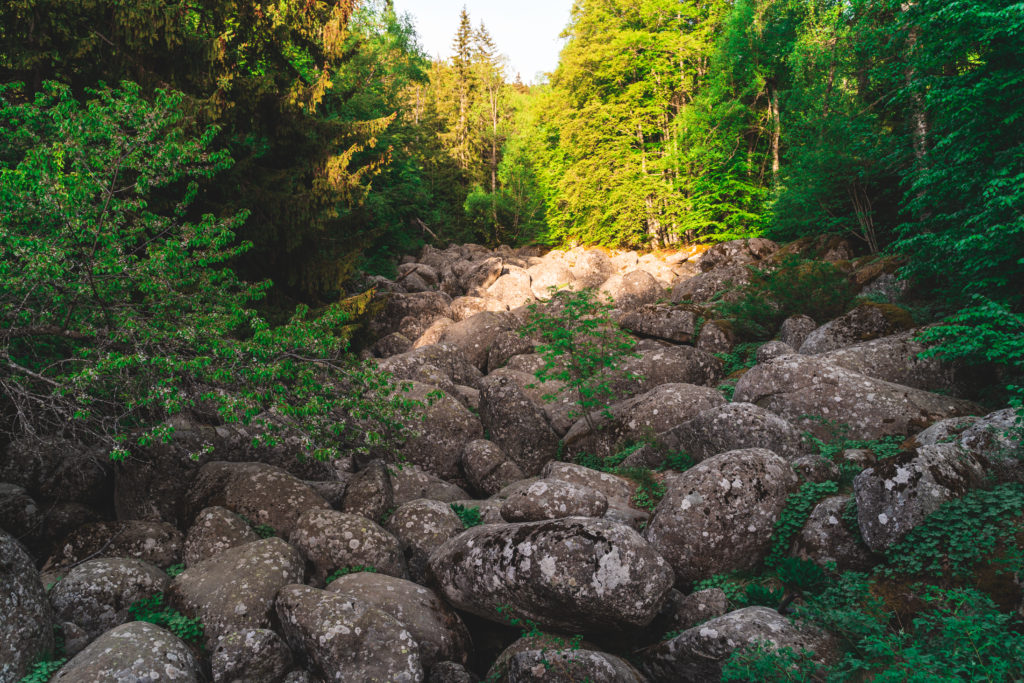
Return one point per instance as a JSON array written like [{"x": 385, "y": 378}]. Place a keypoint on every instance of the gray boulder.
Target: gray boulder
[
  {"x": 898, "y": 493},
  {"x": 235, "y": 589},
  {"x": 487, "y": 467},
  {"x": 676, "y": 325},
  {"x": 574, "y": 574},
  {"x": 895, "y": 359},
  {"x": 26, "y": 629},
  {"x": 733, "y": 426},
  {"x": 474, "y": 335},
  {"x": 153, "y": 542},
  {"x": 136, "y": 651},
  {"x": 701, "y": 289},
  {"x": 592, "y": 268},
  {"x": 614, "y": 488},
  {"x": 552, "y": 499},
  {"x": 421, "y": 527},
  {"x": 718, "y": 516},
  {"x": 737, "y": 252},
  {"x": 633, "y": 290},
  {"x": 422, "y": 307},
  {"x": 347, "y": 639},
  {"x": 795, "y": 330},
  {"x": 215, "y": 530},
  {"x": 825, "y": 539},
  {"x": 517, "y": 425},
  {"x": 409, "y": 482},
  {"x": 667, "y": 365},
  {"x": 332, "y": 540},
  {"x": 506, "y": 345},
  {"x": 446, "y": 428},
  {"x": 446, "y": 358},
  {"x": 568, "y": 666},
  {"x": 512, "y": 288},
  {"x": 254, "y": 655},
  {"x": 867, "y": 321},
  {"x": 369, "y": 492}
]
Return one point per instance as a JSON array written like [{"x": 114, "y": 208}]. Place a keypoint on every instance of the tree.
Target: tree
[{"x": 118, "y": 311}]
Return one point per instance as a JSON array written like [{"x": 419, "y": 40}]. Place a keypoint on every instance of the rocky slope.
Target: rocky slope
[{"x": 257, "y": 539}]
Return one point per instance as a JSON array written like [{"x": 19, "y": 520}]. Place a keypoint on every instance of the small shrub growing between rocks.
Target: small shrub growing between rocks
[
  {"x": 174, "y": 570},
  {"x": 469, "y": 516},
  {"x": 345, "y": 571},
  {"x": 42, "y": 672},
  {"x": 154, "y": 611}
]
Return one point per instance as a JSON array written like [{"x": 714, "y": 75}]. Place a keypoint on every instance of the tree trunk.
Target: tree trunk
[{"x": 773, "y": 102}]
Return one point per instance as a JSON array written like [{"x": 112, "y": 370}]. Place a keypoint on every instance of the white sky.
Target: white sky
[{"x": 525, "y": 31}]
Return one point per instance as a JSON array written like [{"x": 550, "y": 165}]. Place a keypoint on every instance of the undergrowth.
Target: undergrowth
[
  {"x": 154, "y": 611},
  {"x": 469, "y": 516},
  {"x": 345, "y": 571}
]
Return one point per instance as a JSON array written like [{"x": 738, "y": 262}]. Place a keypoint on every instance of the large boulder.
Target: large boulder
[
  {"x": 667, "y": 365},
  {"x": 20, "y": 515},
  {"x": 52, "y": 470},
  {"x": 26, "y": 629},
  {"x": 154, "y": 542},
  {"x": 474, "y": 335},
  {"x": 422, "y": 307},
  {"x": 795, "y": 330},
  {"x": 235, "y": 589},
  {"x": 444, "y": 358},
  {"x": 332, "y": 540},
  {"x": 436, "y": 628},
  {"x": 215, "y": 530},
  {"x": 592, "y": 268},
  {"x": 568, "y": 665},
  {"x": 345, "y": 638},
  {"x": 737, "y": 252},
  {"x": 797, "y": 386},
  {"x": 263, "y": 493},
  {"x": 896, "y": 359},
  {"x": 698, "y": 654},
  {"x": 547, "y": 274},
  {"x": 369, "y": 492},
  {"x": 506, "y": 345},
  {"x": 701, "y": 289},
  {"x": 633, "y": 290},
  {"x": 517, "y": 425},
  {"x": 637, "y": 418},
  {"x": 512, "y": 288},
  {"x": 96, "y": 594},
  {"x": 467, "y": 306},
  {"x": 409, "y": 482},
  {"x": 479, "y": 275},
  {"x": 718, "y": 516},
  {"x": 487, "y": 467},
  {"x": 574, "y": 575},
  {"x": 867, "y": 321},
  {"x": 615, "y": 488},
  {"x": 552, "y": 499},
  {"x": 659, "y": 321},
  {"x": 421, "y": 527},
  {"x": 898, "y": 493},
  {"x": 733, "y": 426},
  {"x": 136, "y": 651},
  {"x": 447, "y": 426},
  {"x": 254, "y": 655}
]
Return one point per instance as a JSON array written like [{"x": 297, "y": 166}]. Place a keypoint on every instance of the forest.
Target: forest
[{"x": 208, "y": 209}]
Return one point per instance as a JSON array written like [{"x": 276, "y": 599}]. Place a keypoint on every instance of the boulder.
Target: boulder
[
  {"x": 633, "y": 290},
  {"x": 615, "y": 488},
  {"x": 895, "y": 359},
  {"x": 422, "y": 307},
  {"x": 215, "y": 530},
  {"x": 409, "y": 482},
  {"x": 570, "y": 665},
  {"x": 466, "y": 307},
  {"x": 436, "y": 628},
  {"x": 19, "y": 514},
  {"x": 506, "y": 345},
  {"x": 369, "y": 492},
  {"x": 992, "y": 439},
  {"x": 701, "y": 289},
  {"x": 96, "y": 594},
  {"x": 433, "y": 333},
  {"x": 26, "y": 629},
  {"x": 346, "y": 639},
  {"x": 391, "y": 345},
  {"x": 592, "y": 268},
  {"x": 136, "y": 651},
  {"x": 517, "y": 425},
  {"x": 447, "y": 426},
  {"x": 253, "y": 655},
  {"x": 718, "y": 516},
  {"x": 737, "y": 252},
  {"x": 681, "y": 612},
  {"x": 480, "y": 275},
  {"x": 332, "y": 540},
  {"x": 716, "y": 336},
  {"x": 797, "y": 386},
  {"x": 659, "y": 321},
  {"x": 573, "y": 574},
  {"x": 795, "y": 330},
  {"x": 153, "y": 542},
  {"x": 549, "y": 274},
  {"x": 867, "y": 321},
  {"x": 697, "y": 654},
  {"x": 897, "y": 493},
  {"x": 733, "y": 426},
  {"x": 263, "y": 493},
  {"x": 52, "y": 470},
  {"x": 667, "y": 365},
  {"x": 552, "y": 499},
  {"x": 235, "y": 589},
  {"x": 487, "y": 468},
  {"x": 825, "y": 539},
  {"x": 474, "y": 335},
  {"x": 513, "y": 288},
  {"x": 445, "y": 358},
  {"x": 421, "y": 527}
]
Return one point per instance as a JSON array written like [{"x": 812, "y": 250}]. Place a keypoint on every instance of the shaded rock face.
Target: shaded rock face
[
  {"x": 737, "y": 252},
  {"x": 795, "y": 330},
  {"x": 447, "y": 426},
  {"x": 667, "y": 365},
  {"x": 346, "y": 639},
  {"x": 898, "y": 493},
  {"x": 235, "y": 589},
  {"x": 436, "y": 628},
  {"x": 215, "y": 530},
  {"x": 19, "y": 514},
  {"x": 867, "y": 321},
  {"x": 251, "y": 656},
  {"x": 136, "y": 651},
  {"x": 474, "y": 335},
  {"x": 697, "y": 654},
  {"x": 54, "y": 470},
  {"x": 681, "y": 612},
  {"x": 154, "y": 542},
  {"x": 574, "y": 574},
  {"x": 733, "y": 426},
  {"x": 96, "y": 594},
  {"x": 409, "y": 482},
  {"x": 487, "y": 468},
  {"x": 570, "y": 665},
  {"x": 26, "y": 629},
  {"x": 716, "y": 337},
  {"x": 447, "y": 359},
  {"x": 825, "y": 538},
  {"x": 895, "y": 359},
  {"x": 660, "y": 322},
  {"x": 264, "y": 494},
  {"x": 422, "y": 307},
  {"x": 552, "y": 499},
  {"x": 332, "y": 540},
  {"x": 421, "y": 527},
  {"x": 701, "y": 289},
  {"x": 369, "y": 492},
  {"x": 506, "y": 345},
  {"x": 517, "y": 425},
  {"x": 718, "y": 516},
  {"x": 796, "y": 386}
]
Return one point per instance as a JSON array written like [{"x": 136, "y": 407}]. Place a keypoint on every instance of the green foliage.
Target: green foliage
[
  {"x": 469, "y": 516},
  {"x": 118, "y": 310},
  {"x": 649, "y": 491},
  {"x": 174, "y": 570},
  {"x": 734, "y": 589},
  {"x": 345, "y": 571},
  {"x": 980, "y": 529},
  {"x": 582, "y": 347},
  {"x": 742, "y": 357},
  {"x": 793, "y": 517},
  {"x": 762, "y": 662},
  {"x": 838, "y": 442},
  {"x": 545, "y": 641},
  {"x": 678, "y": 461},
  {"x": 154, "y": 611},
  {"x": 42, "y": 672},
  {"x": 262, "y": 530},
  {"x": 762, "y": 595},
  {"x": 794, "y": 286}
]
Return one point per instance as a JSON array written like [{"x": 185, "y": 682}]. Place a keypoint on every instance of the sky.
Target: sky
[{"x": 525, "y": 31}]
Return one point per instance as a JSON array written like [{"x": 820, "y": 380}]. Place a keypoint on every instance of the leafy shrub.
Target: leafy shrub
[
  {"x": 175, "y": 570},
  {"x": 793, "y": 517},
  {"x": 791, "y": 287},
  {"x": 154, "y": 611},
  {"x": 582, "y": 347},
  {"x": 469, "y": 516},
  {"x": 678, "y": 461},
  {"x": 649, "y": 491},
  {"x": 345, "y": 571},
  {"x": 42, "y": 672},
  {"x": 742, "y": 357}
]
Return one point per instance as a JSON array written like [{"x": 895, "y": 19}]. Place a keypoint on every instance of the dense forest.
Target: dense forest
[{"x": 273, "y": 219}]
